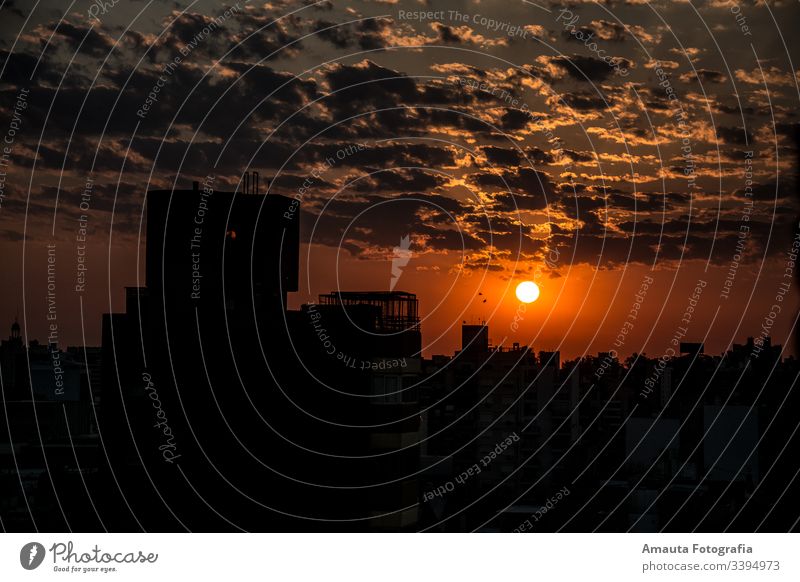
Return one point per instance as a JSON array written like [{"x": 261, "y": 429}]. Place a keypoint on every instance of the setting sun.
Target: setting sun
[{"x": 527, "y": 292}]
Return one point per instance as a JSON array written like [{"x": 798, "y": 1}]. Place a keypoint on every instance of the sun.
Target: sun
[{"x": 527, "y": 292}]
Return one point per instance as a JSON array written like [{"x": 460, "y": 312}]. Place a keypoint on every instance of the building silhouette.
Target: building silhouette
[{"x": 267, "y": 429}]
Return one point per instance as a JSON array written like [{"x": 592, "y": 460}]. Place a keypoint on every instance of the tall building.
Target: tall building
[
  {"x": 475, "y": 338},
  {"x": 187, "y": 386},
  {"x": 224, "y": 407},
  {"x": 363, "y": 350}
]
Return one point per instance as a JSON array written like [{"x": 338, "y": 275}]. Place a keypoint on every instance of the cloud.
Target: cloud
[
  {"x": 518, "y": 189},
  {"x": 502, "y": 156},
  {"x": 89, "y": 40},
  {"x": 464, "y": 35},
  {"x": 770, "y": 76},
  {"x": 704, "y": 76},
  {"x": 608, "y": 31},
  {"x": 734, "y": 135}
]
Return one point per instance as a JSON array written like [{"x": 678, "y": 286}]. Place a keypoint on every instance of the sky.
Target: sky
[{"x": 633, "y": 158}]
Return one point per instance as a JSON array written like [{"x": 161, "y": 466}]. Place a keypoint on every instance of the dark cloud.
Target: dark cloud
[
  {"x": 523, "y": 180},
  {"x": 704, "y": 76},
  {"x": 582, "y": 207},
  {"x": 768, "y": 191},
  {"x": 586, "y": 68},
  {"x": 518, "y": 189},
  {"x": 516, "y": 242},
  {"x": 383, "y": 221},
  {"x": 572, "y": 188},
  {"x": 359, "y": 88},
  {"x": 12, "y": 8},
  {"x": 369, "y": 34},
  {"x": 452, "y": 240},
  {"x": 643, "y": 248},
  {"x": 539, "y": 156},
  {"x": 427, "y": 118},
  {"x": 734, "y": 135},
  {"x": 585, "y": 101},
  {"x": 400, "y": 181},
  {"x": 502, "y": 156},
  {"x": 506, "y": 202},
  {"x": 83, "y": 38},
  {"x": 20, "y": 66},
  {"x": 578, "y": 156},
  {"x": 514, "y": 119},
  {"x": 394, "y": 82},
  {"x": 447, "y": 34},
  {"x": 7, "y": 234}
]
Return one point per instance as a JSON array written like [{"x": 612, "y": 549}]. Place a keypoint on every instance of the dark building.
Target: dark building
[
  {"x": 49, "y": 453},
  {"x": 220, "y": 250},
  {"x": 223, "y": 407},
  {"x": 494, "y": 418},
  {"x": 392, "y": 328},
  {"x": 691, "y": 348},
  {"x": 186, "y": 375},
  {"x": 362, "y": 350},
  {"x": 475, "y": 338}
]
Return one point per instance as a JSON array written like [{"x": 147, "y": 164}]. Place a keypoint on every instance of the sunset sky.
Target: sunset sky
[{"x": 491, "y": 133}]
